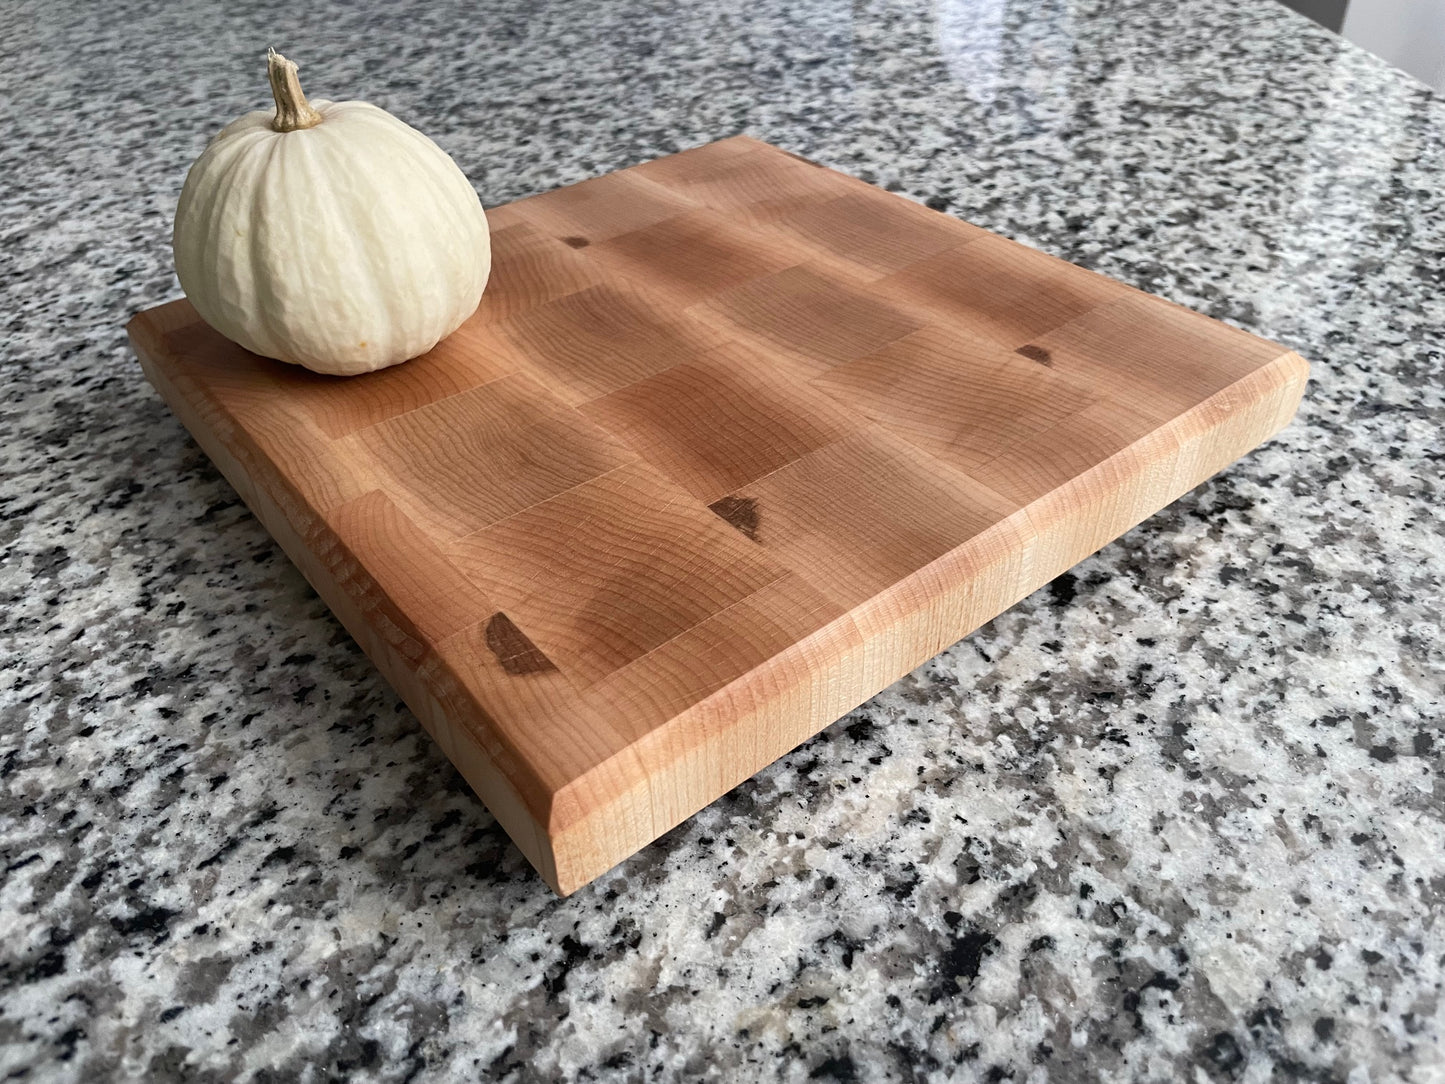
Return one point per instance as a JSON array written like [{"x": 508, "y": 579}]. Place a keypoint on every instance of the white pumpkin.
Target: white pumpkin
[{"x": 330, "y": 234}]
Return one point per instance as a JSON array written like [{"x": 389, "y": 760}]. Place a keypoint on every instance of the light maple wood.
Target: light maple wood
[{"x": 732, "y": 443}]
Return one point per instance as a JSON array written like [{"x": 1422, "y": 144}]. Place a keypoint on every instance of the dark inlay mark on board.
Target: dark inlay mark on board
[
  {"x": 516, "y": 653},
  {"x": 1036, "y": 353},
  {"x": 576, "y": 242},
  {"x": 740, "y": 512}
]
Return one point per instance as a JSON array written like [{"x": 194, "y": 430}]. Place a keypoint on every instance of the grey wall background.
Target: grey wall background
[
  {"x": 1330, "y": 13},
  {"x": 1408, "y": 33}
]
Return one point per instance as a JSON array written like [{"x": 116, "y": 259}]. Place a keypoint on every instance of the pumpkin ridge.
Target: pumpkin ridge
[
  {"x": 439, "y": 176},
  {"x": 261, "y": 227},
  {"x": 430, "y": 208},
  {"x": 210, "y": 224},
  {"x": 314, "y": 164}
]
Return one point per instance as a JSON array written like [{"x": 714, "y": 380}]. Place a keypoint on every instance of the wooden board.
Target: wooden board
[{"x": 732, "y": 443}]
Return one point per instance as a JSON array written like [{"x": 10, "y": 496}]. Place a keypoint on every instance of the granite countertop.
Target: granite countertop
[{"x": 1177, "y": 817}]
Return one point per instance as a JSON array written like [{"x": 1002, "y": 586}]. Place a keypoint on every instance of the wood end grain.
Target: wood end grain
[{"x": 732, "y": 442}]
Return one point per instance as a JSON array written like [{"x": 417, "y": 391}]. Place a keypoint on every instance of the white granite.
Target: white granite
[{"x": 1178, "y": 817}]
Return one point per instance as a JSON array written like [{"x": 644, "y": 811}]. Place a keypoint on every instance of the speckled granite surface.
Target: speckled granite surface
[{"x": 1177, "y": 817}]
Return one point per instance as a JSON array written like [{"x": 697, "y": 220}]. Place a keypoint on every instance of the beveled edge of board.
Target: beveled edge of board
[
  {"x": 568, "y": 834},
  {"x": 296, "y": 531},
  {"x": 980, "y": 579}
]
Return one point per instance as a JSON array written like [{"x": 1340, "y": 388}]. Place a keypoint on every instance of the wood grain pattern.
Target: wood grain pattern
[{"x": 732, "y": 442}]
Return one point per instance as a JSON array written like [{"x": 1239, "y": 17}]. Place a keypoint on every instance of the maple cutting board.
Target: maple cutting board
[{"x": 732, "y": 443}]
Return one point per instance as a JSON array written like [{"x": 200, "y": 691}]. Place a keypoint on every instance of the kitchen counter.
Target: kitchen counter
[{"x": 1177, "y": 817}]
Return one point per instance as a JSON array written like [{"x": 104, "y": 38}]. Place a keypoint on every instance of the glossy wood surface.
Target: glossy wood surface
[{"x": 732, "y": 442}]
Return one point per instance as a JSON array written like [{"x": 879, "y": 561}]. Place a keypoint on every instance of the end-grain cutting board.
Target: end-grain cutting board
[{"x": 732, "y": 443}]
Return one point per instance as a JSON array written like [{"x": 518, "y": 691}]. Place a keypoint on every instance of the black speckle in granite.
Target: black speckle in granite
[
  {"x": 841, "y": 1067},
  {"x": 1223, "y": 1055},
  {"x": 148, "y": 923},
  {"x": 961, "y": 962},
  {"x": 573, "y": 953},
  {"x": 1063, "y": 588},
  {"x": 1106, "y": 837}
]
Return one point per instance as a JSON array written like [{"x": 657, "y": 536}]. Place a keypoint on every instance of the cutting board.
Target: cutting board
[{"x": 732, "y": 443}]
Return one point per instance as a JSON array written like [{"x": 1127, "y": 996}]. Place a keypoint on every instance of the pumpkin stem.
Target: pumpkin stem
[{"x": 293, "y": 111}]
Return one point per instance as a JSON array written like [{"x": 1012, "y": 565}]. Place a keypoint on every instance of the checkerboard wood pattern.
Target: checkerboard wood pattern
[{"x": 732, "y": 442}]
